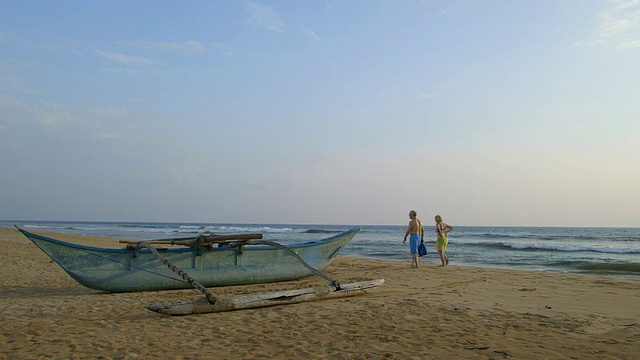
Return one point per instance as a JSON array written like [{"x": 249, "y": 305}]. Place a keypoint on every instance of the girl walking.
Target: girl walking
[{"x": 442, "y": 230}]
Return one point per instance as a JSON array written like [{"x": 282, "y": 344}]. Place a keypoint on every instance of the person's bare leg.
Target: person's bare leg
[
  {"x": 415, "y": 261},
  {"x": 442, "y": 257}
]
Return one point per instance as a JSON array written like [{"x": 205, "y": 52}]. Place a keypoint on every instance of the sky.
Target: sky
[{"x": 488, "y": 112}]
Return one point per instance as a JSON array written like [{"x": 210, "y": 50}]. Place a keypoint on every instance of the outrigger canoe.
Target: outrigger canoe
[{"x": 135, "y": 268}]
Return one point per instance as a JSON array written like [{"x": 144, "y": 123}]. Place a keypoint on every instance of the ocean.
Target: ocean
[{"x": 592, "y": 251}]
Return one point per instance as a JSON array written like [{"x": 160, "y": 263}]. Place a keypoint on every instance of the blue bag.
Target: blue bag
[{"x": 422, "y": 250}]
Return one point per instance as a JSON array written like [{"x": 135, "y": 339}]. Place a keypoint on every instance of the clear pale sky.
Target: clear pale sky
[{"x": 321, "y": 112}]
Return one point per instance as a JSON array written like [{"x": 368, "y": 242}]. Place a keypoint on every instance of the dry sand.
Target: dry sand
[{"x": 428, "y": 313}]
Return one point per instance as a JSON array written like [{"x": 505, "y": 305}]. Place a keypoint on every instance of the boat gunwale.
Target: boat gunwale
[{"x": 29, "y": 234}]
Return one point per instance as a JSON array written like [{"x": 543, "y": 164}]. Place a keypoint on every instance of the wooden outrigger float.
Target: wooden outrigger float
[
  {"x": 215, "y": 261},
  {"x": 202, "y": 305}
]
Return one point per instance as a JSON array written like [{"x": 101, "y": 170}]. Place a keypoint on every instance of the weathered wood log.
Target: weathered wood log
[
  {"x": 193, "y": 241},
  {"x": 159, "y": 242},
  {"x": 201, "y": 306},
  {"x": 216, "y": 238}
]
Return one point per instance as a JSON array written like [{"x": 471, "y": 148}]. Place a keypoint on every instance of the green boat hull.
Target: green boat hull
[{"x": 122, "y": 270}]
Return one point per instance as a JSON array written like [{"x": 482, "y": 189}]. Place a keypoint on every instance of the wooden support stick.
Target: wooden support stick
[
  {"x": 193, "y": 282},
  {"x": 304, "y": 263}
]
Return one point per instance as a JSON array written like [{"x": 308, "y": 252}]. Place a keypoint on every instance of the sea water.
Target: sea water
[{"x": 596, "y": 251}]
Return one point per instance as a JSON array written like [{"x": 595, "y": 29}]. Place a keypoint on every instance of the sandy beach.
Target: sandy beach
[{"x": 427, "y": 313}]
